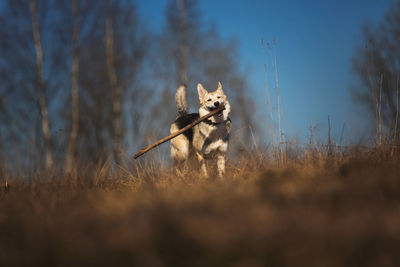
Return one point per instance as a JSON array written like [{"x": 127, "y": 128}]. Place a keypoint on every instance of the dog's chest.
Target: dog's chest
[{"x": 214, "y": 137}]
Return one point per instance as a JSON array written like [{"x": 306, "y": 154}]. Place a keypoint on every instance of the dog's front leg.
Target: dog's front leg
[
  {"x": 221, "y": 165},
  {"x": 202, "y": 164}
]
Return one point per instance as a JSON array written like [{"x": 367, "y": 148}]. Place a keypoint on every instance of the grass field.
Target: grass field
[{"x": 314, "y": 210}]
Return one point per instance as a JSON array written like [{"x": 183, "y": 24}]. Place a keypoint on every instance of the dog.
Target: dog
[{"x": 208, "y": 139}]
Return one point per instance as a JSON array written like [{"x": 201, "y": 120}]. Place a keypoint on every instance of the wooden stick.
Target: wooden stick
[{"x": 169, "y": 137}]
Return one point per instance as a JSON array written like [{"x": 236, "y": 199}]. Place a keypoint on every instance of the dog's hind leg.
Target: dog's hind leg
[
  {"x": 179, "y": 148},
  {"x": 179, "y": 145}
]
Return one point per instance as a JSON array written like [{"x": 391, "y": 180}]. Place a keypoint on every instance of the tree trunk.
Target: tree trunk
[
  {"x": 70, "y": 157},
  {"x": 116, "y": 91},
  {"x": 40, "y": 83},
  {"x": 183, "y": 72}
]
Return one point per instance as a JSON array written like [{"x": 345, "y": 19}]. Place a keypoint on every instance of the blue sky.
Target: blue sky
[{"x": 315, "y": 43}]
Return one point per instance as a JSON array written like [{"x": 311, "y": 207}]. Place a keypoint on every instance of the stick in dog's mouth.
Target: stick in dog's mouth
[{"x": 219, "y": 114}]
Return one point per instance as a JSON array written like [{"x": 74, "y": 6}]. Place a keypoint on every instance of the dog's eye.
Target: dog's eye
[
  {"x": 219, "y": 97},
  {"x": 209, "y": 99}
]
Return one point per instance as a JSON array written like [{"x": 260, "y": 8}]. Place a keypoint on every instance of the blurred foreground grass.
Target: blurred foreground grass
[{"x": 330, "y": 211}]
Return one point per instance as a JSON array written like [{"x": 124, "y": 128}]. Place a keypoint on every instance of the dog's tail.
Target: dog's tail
[{"x": 180, "y": 99}]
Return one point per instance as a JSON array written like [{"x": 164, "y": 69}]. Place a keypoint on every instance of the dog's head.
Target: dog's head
[{"x": 212, "y": 100}]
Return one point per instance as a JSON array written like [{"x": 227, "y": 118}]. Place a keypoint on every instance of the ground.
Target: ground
[{"x": 314, "y": 210}]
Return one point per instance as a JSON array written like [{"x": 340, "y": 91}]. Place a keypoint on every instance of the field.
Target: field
[{"x": 312, "y": 210}]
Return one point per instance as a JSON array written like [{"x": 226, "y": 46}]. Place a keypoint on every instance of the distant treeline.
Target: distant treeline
[{"x": 89, "y": 80}]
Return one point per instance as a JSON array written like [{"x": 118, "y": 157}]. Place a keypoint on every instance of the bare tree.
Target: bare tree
[
  {"x": 40, "y": 82},
  {"x": 112, "y": 49},
  {"x": 377, "y": 65},
  {"x": 19, "y": 83},
  {"x": 183, "y": 43},
  {"x": 74, "y": 89},
  {"x": 190, "y": 51},
  {"x": 116, "y": 91}
]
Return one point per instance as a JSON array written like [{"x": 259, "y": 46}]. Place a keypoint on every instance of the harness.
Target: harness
[{"x": 209, "y": 122}]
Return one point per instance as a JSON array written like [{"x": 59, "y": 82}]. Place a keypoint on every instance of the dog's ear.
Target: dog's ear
[
  {"x": 202, "y": 92},
  {"x": 219, "y": 89}
]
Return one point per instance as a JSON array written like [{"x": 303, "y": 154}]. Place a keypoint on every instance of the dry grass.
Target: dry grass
[{"x": 315, "y": 211}]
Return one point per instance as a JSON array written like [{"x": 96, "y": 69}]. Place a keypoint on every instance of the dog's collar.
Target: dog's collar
[{"x": 209, "y": 122}]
